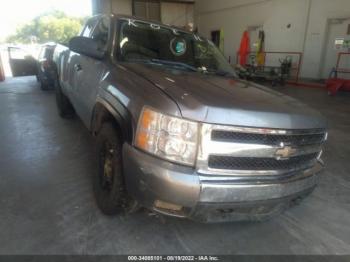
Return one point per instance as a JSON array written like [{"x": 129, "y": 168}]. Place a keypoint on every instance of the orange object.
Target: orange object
[
  {"x": 244, "y": 49},
  {"x": 2, "y": 74}
]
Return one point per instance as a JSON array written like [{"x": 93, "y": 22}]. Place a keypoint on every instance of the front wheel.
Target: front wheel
[{"x": 108, "y": 181}]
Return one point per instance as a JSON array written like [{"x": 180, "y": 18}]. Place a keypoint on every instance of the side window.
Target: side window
[
  {"x": 88, "y": 28},
  {"x": 101, "y": 32}
]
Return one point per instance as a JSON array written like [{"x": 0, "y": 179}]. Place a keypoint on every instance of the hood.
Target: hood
[{"x": 221, "y": 100}]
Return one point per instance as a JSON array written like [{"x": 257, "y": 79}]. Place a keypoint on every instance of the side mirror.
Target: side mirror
[{"x": 86, "y": 46}]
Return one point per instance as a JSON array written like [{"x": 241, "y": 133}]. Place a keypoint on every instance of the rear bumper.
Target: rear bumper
[{"x": 150, "y": 179}]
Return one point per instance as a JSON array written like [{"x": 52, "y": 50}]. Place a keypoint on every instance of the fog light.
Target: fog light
[{"x": 167, "y": 206}]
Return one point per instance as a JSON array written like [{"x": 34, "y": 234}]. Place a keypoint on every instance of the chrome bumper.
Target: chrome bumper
[
  {"x": 149, "y": 179},
  {"x": 241, "y": 192}
]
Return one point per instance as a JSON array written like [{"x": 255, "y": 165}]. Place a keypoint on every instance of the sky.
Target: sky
[{"x": 17, "y": 12}]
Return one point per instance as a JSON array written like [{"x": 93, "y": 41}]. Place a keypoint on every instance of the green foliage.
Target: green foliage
[{"x": 51, "y": 27}]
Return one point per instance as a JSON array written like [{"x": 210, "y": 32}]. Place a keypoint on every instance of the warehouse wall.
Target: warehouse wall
[
  {"x": 178, "y": 14},
  {"x": 122, "y": 7},
  {"x": 112, "y": 6},
  {"x": 307, "y": 19},
  {"x": 320, "y": 13}
]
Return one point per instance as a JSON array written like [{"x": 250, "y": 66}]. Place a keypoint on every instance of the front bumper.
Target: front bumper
[{"x": 149, "y": 179}]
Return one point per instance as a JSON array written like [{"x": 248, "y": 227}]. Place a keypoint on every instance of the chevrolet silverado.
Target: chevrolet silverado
[{"x": 177, "y": 132}]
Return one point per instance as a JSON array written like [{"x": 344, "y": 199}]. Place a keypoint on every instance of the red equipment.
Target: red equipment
[
  {"x": 335, "y": 84},
  {"x": 244, "y": 49}
]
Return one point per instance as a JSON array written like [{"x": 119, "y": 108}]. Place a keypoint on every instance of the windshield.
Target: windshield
[{"x": 145, "y": 42}]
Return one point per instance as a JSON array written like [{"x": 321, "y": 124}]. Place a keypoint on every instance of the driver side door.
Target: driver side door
[
  {"x": 90, "y": 71},
  {"x": 74, "y": 70}
]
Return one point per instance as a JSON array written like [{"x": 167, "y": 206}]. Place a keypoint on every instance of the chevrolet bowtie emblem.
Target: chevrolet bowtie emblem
[{"x": 285, "y": 152}]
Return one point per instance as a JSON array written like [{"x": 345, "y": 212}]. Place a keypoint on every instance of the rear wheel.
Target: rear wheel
[
  {"x": 108, "y": 181},
  {"x": 64, "y": 107},
  {"x": 43, "y": 86}
]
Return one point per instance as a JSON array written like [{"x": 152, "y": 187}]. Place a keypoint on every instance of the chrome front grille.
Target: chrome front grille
[
  {"x": 265, "y": 139},
  {"x": 236, "y": 151}
]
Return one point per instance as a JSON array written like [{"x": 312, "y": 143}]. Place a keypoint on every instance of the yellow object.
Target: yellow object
[
  {"x": 260, "y": 58},
  {"x": 222, "y": 41},
  {"x": 260, "y": 55}
]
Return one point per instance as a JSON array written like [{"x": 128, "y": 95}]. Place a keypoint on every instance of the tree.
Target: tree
[{"x": 51, "y": 27}]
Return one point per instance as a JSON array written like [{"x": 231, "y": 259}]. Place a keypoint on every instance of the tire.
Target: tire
[
  {"x": 43, "y": 86},
  {"x": 108, "y": 180},
  {"x": 64, "y": 107}
]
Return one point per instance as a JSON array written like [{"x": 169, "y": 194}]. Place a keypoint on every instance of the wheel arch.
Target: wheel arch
[{"x": 105, "y": 112}]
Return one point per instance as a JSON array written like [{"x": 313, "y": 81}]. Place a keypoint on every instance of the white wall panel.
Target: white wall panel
[{"x": 307, "y": 33}]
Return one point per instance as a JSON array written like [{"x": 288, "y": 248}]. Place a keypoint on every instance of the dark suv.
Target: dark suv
[{"x": 46, "y": 72}]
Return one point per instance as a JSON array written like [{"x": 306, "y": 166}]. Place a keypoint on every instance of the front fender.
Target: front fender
[{"x": 102, "y": 112}]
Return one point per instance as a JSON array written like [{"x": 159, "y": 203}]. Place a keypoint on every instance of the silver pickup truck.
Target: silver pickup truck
[{"x": 177, "y": 132}]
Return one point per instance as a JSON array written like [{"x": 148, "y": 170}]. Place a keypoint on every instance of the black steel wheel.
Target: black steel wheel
[{"x": 108, "y": 182}]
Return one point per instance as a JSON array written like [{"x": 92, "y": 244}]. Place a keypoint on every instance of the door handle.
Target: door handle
[{"x": 77, "y": 67}]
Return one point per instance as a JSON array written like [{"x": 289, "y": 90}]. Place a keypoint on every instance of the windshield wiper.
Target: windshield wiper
[
  {"x": 173, "y": 63},
  {"x": 185, "y": 66},
  {"x": 221, "y": 73}
]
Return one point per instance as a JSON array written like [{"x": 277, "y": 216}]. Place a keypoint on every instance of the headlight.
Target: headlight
[{"x": 168, "y": 137}]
